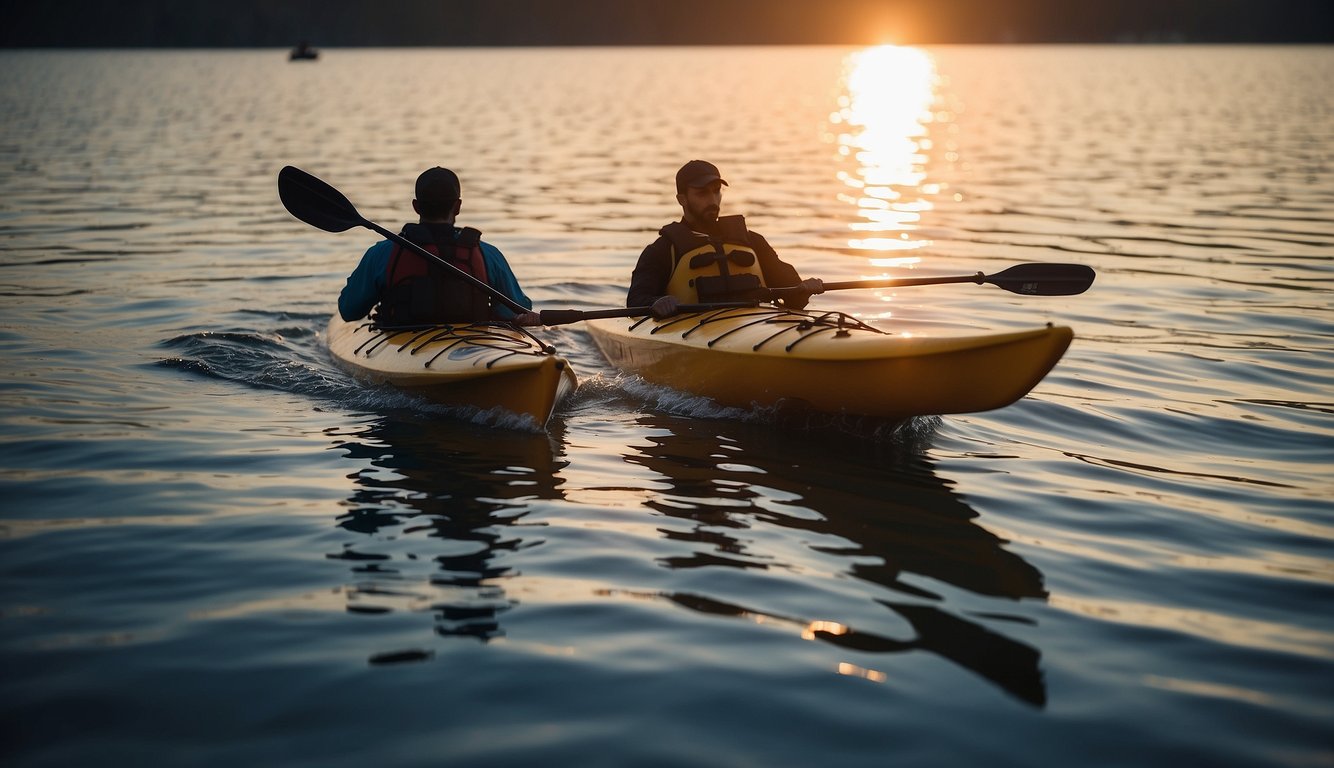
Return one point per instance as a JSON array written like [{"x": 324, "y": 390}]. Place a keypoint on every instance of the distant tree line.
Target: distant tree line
[{"x": 346, "y": 23}]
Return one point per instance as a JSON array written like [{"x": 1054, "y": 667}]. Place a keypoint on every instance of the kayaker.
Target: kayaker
[
  {"x": 706, "y": 258},
  {"x": 406, "y": 288}
]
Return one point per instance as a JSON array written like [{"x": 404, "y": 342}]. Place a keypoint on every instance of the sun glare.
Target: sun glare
[{"x": 882, "y": 131}]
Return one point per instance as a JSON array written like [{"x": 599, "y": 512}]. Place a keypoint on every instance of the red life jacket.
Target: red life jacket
[{"x": 422, "y": 291}]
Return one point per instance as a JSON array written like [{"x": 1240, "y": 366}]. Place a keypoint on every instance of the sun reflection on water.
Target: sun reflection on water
[{"x": 882, "y": 129}]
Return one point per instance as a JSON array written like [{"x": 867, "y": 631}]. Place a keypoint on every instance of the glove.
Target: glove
[{"x": 665, "y": 307}]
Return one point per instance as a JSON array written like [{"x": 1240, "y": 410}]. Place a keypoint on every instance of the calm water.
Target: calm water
[{"x": 216, "y": 549}]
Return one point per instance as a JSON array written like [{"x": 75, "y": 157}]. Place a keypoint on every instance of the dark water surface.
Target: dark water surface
[{"x": 217, "y": 549}]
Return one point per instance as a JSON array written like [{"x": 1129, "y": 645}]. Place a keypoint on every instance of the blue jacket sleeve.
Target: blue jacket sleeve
[
  {"x": 364, "y": 285},
  {"x": 501, "y": 277}
]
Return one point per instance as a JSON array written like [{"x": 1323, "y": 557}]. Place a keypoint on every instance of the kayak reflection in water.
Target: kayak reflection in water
[
  {"x": 707, "y": 258},
  {"x": 895, "y": 530},
  {"x": 407, "y": 289},
  {"x": 434, "y": 519}
]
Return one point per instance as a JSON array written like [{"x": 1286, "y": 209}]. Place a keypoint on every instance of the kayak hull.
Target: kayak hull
[
  {"x": 481, "y": 365},
  {"x": 829, "y": 362}
]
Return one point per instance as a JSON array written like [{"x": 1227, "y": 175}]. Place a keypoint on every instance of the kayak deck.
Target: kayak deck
[
  {"x": 831, "y": 362},
  {"x": 483, "y": 365}
]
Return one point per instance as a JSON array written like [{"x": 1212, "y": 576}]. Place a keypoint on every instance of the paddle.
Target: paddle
[
  {"x": 320, "y": 205},
  {"x": 1025, "y": 279}
]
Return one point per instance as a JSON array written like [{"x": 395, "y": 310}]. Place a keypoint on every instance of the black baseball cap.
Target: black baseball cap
[
  {"x": 438, "y": 185},
  {"x": 697, "y": 173}
]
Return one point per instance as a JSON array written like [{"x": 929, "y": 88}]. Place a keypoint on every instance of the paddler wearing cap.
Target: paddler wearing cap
[
  {"x": 407, "y": 289},
  {"x": 704, "y": 258}
]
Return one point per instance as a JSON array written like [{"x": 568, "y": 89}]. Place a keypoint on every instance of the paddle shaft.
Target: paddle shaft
[
  {"x": 563, "y": 316},
  {"x": 896, "y": 282},
  {"x": 1024, "y": 279}
]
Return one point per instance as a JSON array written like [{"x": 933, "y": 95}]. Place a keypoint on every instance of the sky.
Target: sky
[{"x": 334, "y": 23}]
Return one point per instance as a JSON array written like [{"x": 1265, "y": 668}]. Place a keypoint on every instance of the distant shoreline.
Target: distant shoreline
[
  {"x": 617, "y": 23},
  {"x": 538, "y": 46}
]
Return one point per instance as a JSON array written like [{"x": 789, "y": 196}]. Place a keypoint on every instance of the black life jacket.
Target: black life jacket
[
  {"x": 422, "y": 291},
  {"x": 707, "y": 268}
]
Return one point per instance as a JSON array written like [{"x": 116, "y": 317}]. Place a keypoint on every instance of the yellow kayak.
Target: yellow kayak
[
  {"x": 830, "y": 362},
  {"x": 483, "y": 365}
]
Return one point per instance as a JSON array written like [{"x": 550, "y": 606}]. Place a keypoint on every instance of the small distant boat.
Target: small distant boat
[{"x": 303, "y": 52}]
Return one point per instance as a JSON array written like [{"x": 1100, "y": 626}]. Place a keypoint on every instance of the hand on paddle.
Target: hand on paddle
[
  {"x": 797, "y": 296},
  {"x": 527, "y": 319},
  {"x": 665, "y": 306}
]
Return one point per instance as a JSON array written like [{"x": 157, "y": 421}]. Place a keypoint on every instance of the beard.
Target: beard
[{"x": 705, "y": 215}]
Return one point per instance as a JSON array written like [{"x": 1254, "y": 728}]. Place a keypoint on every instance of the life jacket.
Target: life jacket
[
  {"x": 422, "y": 291},
  {"x": 708, "y": 268}
]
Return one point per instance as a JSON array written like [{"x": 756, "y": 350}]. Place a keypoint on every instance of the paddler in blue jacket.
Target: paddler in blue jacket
[
  {"x": 405, "y": 288},
  {"x": 704, "y": 258}
]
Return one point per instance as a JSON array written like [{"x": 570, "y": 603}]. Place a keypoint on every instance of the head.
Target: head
[
  {"x": 438, "y": 195},
  {"x": 699, "y": 190}
]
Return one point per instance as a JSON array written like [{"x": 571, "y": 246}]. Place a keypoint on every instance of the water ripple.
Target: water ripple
[{"x": 1130, "y": 565}]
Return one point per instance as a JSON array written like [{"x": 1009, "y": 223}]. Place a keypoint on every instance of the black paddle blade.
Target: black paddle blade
[
  {"x": 315, "y": 202},
  {"x": 1044, "y": 279}
]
